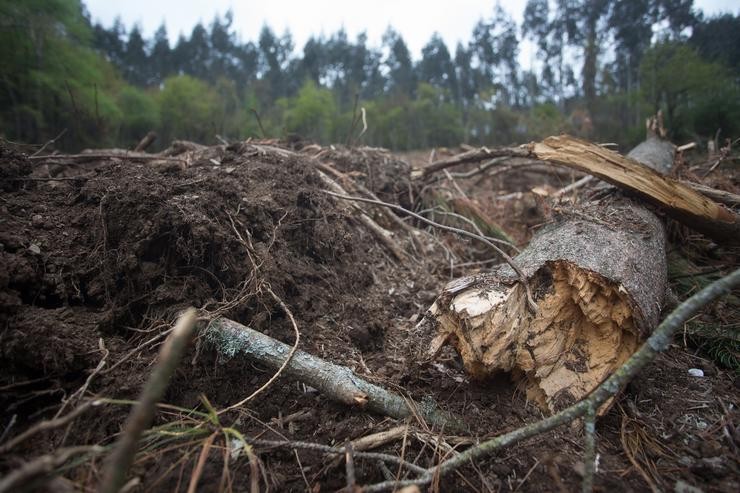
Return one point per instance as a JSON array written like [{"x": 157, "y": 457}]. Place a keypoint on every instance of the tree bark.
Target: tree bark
[
  {"x": 599, "y": 278},
  {"x": 649, "y": 183}
]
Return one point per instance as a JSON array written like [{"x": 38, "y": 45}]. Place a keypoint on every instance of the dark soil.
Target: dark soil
[{"x": 96, "y": 267}]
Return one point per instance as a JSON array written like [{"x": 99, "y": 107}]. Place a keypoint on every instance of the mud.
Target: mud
[{"x": 92, "y": 268}]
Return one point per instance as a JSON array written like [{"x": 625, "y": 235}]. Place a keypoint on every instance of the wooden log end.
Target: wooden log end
[{"x": 584, "y": 330}]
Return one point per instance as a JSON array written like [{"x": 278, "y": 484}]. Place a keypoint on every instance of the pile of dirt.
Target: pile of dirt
[{"x": 97, "y": 266}]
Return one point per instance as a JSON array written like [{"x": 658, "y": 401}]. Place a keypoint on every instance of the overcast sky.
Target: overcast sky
[{"x": 416, "y": 20}]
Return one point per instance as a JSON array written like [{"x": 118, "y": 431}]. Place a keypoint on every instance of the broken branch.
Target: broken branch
[
  {"x": 633, "y": 173},
  {"x": 337, "y": 382},
  {"x": 141, "y": 416}
]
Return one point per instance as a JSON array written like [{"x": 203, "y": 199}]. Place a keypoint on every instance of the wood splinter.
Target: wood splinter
[{"x": 598, "y": 275}]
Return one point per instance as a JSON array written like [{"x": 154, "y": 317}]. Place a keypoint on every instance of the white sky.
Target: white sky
[{"x": 416, "y": 20}]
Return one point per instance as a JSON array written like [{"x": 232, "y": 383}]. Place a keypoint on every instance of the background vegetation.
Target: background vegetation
[{"x": 602, "y": 67}]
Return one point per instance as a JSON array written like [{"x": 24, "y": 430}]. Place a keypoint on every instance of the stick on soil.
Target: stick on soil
[{"x": 338, "y": 382}]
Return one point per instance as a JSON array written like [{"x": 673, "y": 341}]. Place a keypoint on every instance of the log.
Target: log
[
  {"x": 649, "y": 182},
  {"x": 598, "y": 276}
]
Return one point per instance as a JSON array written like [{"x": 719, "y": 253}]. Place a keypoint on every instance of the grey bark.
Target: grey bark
[{"x": 338, "y": 382}]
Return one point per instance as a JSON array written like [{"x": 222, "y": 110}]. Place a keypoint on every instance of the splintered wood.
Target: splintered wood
[
  {"x": 583, "y": 331},
  {"x": 642, "y": 173},
  {"x": 598, "y": 274}
]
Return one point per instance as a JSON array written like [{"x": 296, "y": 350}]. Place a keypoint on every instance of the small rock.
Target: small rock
[
  {"x": 230, "y": 169},
  {"x": 34, "y": 248},
  {"x": 684, "y": 487},
  {"x": 696, "y": 372},
  {"x": 37, "y": 219}
]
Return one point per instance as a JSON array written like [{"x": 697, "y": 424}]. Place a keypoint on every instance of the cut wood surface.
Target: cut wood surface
[
  {"x": 599, "y": 279},
  {"x": 649, "y": 181}
]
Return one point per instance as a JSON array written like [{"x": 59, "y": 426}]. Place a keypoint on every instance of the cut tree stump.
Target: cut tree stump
[{"x": 599, "y": 278}]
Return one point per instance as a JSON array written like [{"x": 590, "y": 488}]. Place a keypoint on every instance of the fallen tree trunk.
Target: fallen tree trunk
[
  {"x": 642, "y": 172},
  {"x": 599, "y": 279}
]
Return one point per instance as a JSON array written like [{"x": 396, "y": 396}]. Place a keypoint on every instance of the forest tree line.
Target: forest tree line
[{"x": 601, "y": 67}]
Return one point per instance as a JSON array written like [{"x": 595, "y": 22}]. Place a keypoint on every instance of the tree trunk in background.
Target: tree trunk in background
[{"x": 599, "y": 279}]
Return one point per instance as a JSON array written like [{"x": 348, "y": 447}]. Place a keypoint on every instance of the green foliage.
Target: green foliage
[
  {"x": 52, "y": 79},
  {"x": 109, "y": 86},
  {"x": 697, "y": 96},
  {"x": 141, "y": 114},
  {"x": 189, "y": 109},
  {"x": 310, "y": 113},
  {"x": 545, "y": 119}
]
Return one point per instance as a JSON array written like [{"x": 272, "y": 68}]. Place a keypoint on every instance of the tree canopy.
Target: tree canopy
[{"x": 600, "y": 68}]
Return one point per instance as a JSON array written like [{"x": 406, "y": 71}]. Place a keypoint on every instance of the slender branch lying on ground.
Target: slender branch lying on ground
[
  {"x": 80, "y": 393},
  {"x": 285, "y": 363},
  {"x": 481, "y": 168},
  {"x": 338, "y": 382},
  {"x": 363, "y": 190},
  {"x": 383, "y": 235},
  {"x": 471, "y": 156},
  {"x": 589, "y": 453},
  {"x": 721, "y": 196},
  {"x": 48, "y": 425},
  {"x": 573, "y": 186},
  {"x": 41, "y": 466},
  {"x": 338, "y": 451},
  {"x": 439, "y": 210},
  {"x": 522, "y": 278},
  {"x": 143, "y": 413},
  {"x": 656, "y": 343},
  {"x": 148, "y": 140},
  {"x": 49, "y": 142}
]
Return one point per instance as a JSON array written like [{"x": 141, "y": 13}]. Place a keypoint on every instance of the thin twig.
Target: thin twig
[
  {"x": 42, "y": 466},
  {"x": 143, "y": 413},
  {"x": 49, "y": 142},
  {"x": 354, "y": 121},
  {"x": 589, "y": 453},
  {"x": 198, "y": 470},
  {"x": 350, "y": 467},
  {"x": 81, "y": 391},
  {"x": 48, "y": 425},
  {"x": 472, "y": 223},
  {"x": 522, "y": 278},
  {"x": 338, "y": 451},
  {"x": 471, "y": 156},
  {"x": 259, "y": 122}
]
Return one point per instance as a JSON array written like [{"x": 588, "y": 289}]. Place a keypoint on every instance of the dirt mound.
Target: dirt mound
[
  {"x": 13, "y": 165},
  {"x": 95, "y": 267},
  {"x": 384, "y": 174},
  {"x": 112, "y": 257}
]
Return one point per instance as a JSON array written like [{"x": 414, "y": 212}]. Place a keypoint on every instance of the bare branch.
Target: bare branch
[{"x": 141, "y": 416}]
